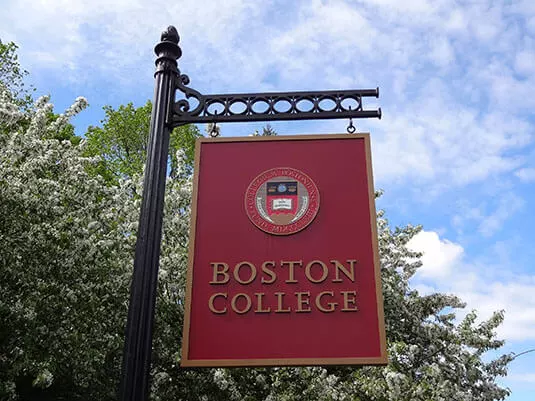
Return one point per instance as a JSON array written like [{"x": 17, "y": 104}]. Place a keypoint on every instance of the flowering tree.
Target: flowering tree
[
  {"x": 66, "y": 245},
  {"x": 64, "y": 260}
]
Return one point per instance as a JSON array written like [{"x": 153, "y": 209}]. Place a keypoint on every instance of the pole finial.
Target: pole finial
[
  {"x": 170, "y": 35},
  {"x": 168, "y": 51}
]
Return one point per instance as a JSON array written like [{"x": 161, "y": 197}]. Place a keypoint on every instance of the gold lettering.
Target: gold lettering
[
  {"x": 279, "y": 309},
  {"x": 259, "y": 296},
  {"x": 235, "y": 301},
  {"x": 211, "y": 302},
  {"x": 269, "y": 272},
  {"x": 303, "y": 301},
  {"x": 348, "y": 301},
  {"x": 325, "y": 271},
  {"x": 237, "y": 272},
  {"x": 291, "y": 265},
  {"x": 218, "y": 273},
  {"x": 350, "y": 274},
  {"x": 331, "y": 305}
]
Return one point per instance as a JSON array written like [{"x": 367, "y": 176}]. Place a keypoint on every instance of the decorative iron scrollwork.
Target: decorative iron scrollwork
[
  {"x": 245, "y": 107},
  {"x": 182, "y": 107}
]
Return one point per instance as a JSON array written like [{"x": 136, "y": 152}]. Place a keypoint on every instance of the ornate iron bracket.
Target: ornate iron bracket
[{"x": 247, "y": 107}]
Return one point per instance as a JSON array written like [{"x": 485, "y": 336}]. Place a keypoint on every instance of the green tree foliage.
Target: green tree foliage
[
  {"x": 12, "y": 75},
  {"x": 268, "y": 131},
  {"x": 121, "y": 143},
  {"x": 18, "y": 95}
]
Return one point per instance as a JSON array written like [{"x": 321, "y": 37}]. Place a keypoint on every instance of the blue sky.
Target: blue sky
[{"x": 454, "y": 150}]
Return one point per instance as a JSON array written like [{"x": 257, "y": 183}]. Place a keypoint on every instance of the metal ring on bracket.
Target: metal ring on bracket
[
  {"x": 214, "y": 132},
  {"x": 351, "y": 128},
  {"x": 214, "y": 129}
]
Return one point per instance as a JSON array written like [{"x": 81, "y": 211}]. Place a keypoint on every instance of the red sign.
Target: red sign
[{"x": 283, "y": 262}]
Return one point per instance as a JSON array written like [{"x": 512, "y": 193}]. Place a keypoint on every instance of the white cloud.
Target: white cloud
[
  {"x": 442, "y": 52},
  {"x": 457, "y": 21},
  {"x": 488, "y": 23},
  {"x": 525, "y": 62},
  {"x": 508, "y": 205},
  {"x": 515, "y": 297},
  {"x": 526, "y": 174},
  {"x": 523, "y": 377},
  {"x": 483, "y": 286},
  {"x": 107, "y": 37},
  {"x": 449, "y": 148},
  {"x": 439, "y": 256},
  {"x": 443, "y": 127}
]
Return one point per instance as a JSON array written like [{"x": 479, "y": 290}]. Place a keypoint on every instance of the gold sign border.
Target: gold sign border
[{"x": 380, "y": 360}]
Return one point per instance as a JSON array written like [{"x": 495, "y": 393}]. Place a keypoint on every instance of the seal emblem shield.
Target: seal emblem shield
[{"x": 282, "y": 201}]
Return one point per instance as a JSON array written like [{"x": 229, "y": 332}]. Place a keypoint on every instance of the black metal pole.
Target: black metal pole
[{"x": 138, "y": 342}]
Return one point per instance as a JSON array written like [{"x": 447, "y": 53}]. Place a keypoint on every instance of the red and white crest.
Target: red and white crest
[{"x": 282, "y": 201}]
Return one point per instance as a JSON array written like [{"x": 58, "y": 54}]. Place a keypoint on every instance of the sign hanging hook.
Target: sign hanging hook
[
  {"x": 351, "y": 128},
  {"x": 213, "y": 129}
]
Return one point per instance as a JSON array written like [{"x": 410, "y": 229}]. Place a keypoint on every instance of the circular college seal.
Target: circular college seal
[{"x": 282, "y": 201}]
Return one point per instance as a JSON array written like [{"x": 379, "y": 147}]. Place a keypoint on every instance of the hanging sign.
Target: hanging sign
[{"x": 283, "y": 260}]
